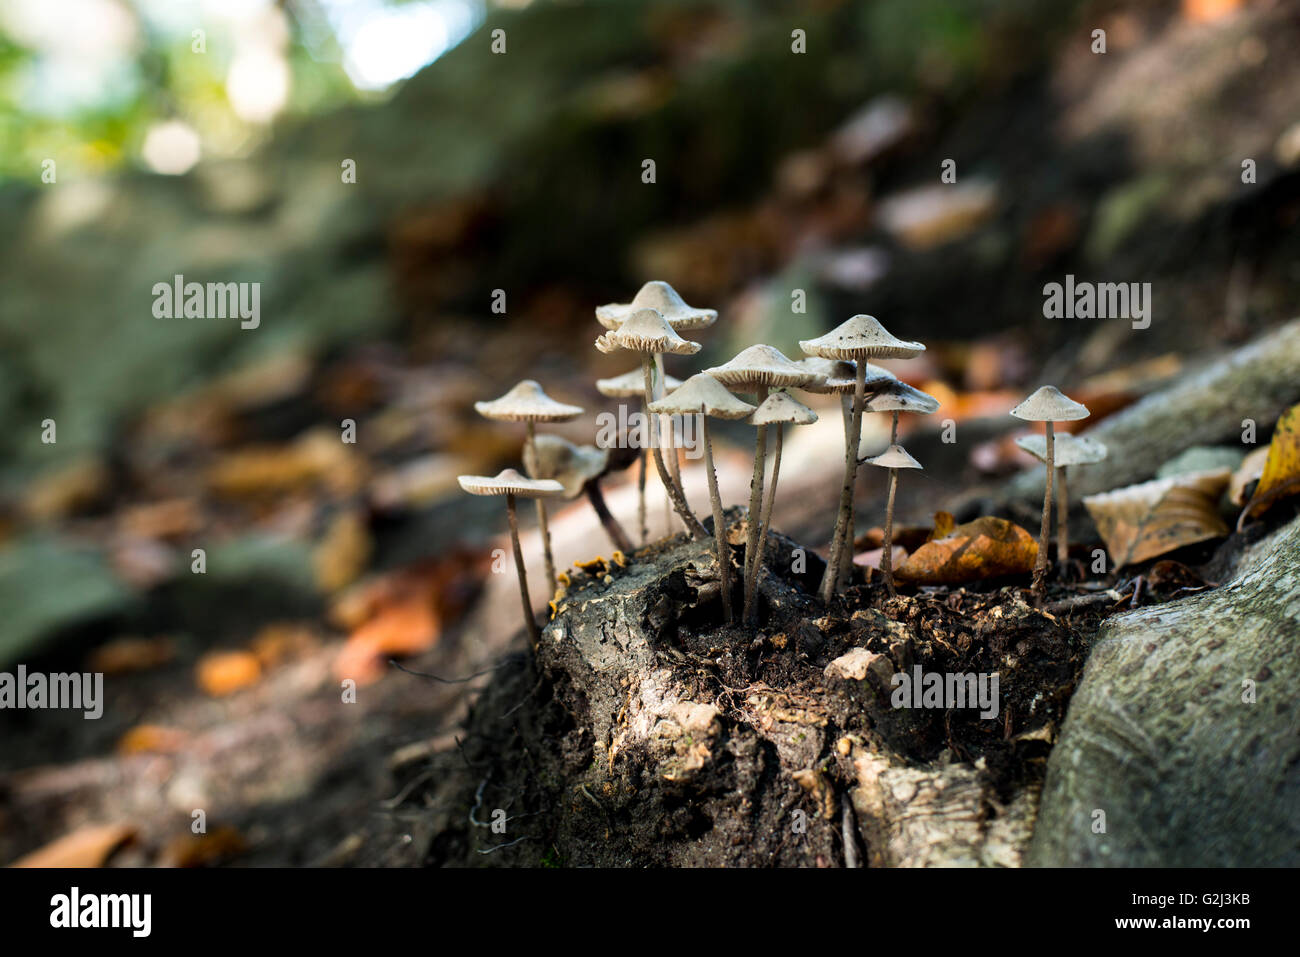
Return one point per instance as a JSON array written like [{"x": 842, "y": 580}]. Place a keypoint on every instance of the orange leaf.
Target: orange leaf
[
  {"x": 988, "y": 547},
  {"x": 221, "y": 673},
  {"x": 89, "y": 846},
  {"x": 151, "y": 739}
]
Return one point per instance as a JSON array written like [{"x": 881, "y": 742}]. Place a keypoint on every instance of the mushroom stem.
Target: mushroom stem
[
  {"x": 831, "y": 578},
  {"x": 887, "y": 556},
  {"x": 534, "y": 635},
  {"x": 893, "y": 430},
  {"x": 666, "y": 436},
  {"x": 1040, "y": 564},
  {"x": 755, "y": 517},
  {"x": 615, "y": 531},
  {"x": 846, "y": 546},
  {"x": 530, "y": 455},
  {"x": 766, "y": 519},
  {"x": 640, "y": 487},
  {"x": 1062, "y": 519},
  {"x": 674, "y": 493},
  {"x": 719, "y": 525}
]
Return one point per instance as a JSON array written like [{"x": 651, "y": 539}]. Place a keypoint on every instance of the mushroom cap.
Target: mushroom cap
[
  {"x": 631, "y": 384},
  {"x": 1049, "y": 404},
  {"x": 894, "y": 457},
  {"x": 761, "y": 365},
  {"x": 509, "y": 482},
  {"x": 573, "y": 466},
  {"x": 781, "y": 408},
  {"x": 1067, "y": 449},
  {"x": 646, "y": 331},
  {"x": 702, "y": 393},
  {"x": 898, "y": 396},
  {"x": 862, "y": 337},
  {"x": 663, "y": 298},
  {"x": 526, "y": 402},
  {"x": 841, "y": 376}
]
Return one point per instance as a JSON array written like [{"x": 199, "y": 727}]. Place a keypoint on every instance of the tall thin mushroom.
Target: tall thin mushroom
[
  {"x": 663, "y": 299},
  {"x": 528, "y": 403},
  {"x": 841, "y": 380},
  {"x": 893, "y": 458},
  {"x": 705, "y": 396},
  {"x": 756, "y": 370},
  {"x": 1049, "y": 406},
  {"x": 579, "y": 468},
  {"x": 779, "y": 409},
  {"x": 860, "y": 338},
  {"x": 513, "y": 485},
  {"x": 628, "y": 385},
  {"x": 647, "y": 333},
  {"x": 1068, "y": 450}
]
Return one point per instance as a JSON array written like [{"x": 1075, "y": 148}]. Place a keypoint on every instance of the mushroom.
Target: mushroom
[
  {"x": 756, "y": 370},
  {"x": 893, "y": 458},
  {"x": 705, "y": 396},
  {"x": 626, "y": 386},
  {"x": 1069, "y": 450},
  {"x": 841, "y": 380},
  {"x": 579, "y": 468},
  {"x": 648, "y": 333},
  {"x": 512, "y": 485},
  {"x": 1047, "y": 405},
  {"x": 860, "y": 338},
  {"x": 663, "y": 299},
  {"x": 778, "y": 409},
  {"x": 527, "y": 403}
]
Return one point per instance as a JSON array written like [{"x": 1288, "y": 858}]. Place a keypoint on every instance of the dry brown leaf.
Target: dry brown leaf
[
  {"x": 1142, "y": 521},
  {"x": 343, "y": 552},
  {"x": 203, "y": 850},
  {"x": 283, "y": 641},
  {"x": 220, "y": 673},
  {"x": 67, "y": 490},
  {"x": 1250, "y": 471},
  {"x": 988, "y": 547},
  {"x": 405, "y": 627},
  {"x": 319, "y": 457},
  {"x": 1207, "y": 11},
  {"x": 89, "y": 846},
  {"x": 1281, "y": 475}
]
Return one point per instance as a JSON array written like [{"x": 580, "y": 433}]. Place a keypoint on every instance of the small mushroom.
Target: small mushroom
[
  {"x": 663, "y": 299},
  {"x": 893, "y": 458},
  {"x": 859, "y": 338},
  {"x": 778, "y": 409},
  {"x": 513, "y": 485},
  {"x": 756, "y": 370},
  {"x": 528, "y": 403},
  {"x": 1048, "y": 405},
  {"x": 626, "y": 386},
  {"x": 705, "y": 396},
  {"x": 1069, "y": 450},
  {"x": 647, "y": 332},
  {"x": 841, "y": 380},
  {"x": 579, "y": 468}
]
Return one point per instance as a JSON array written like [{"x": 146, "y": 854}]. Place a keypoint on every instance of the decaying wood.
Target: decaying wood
[{"x": 1164, "y": 759}]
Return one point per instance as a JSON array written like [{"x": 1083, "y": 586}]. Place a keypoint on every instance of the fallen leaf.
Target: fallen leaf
[
  {"x": 319, "y": 457},
  {"x": 89, "y": 846},
  {"x": 125, "y": 655},
  {"x": 221, "y": 673},
  {"x": 987, "y": 547},
  {"x": 152, "y": 739},
  {"x": 1207, "y": 11},
  {"x": 1250, "y": 471},
  {"x": 1142, "y": 521},
  {"x": 203, "y": 850},
  {"x": 930, "y": 216},
  {"x": 282, "y": 641},
  {"x": 405, "y": 627},
  {"x": 871, "y": 559},
  {"x": 343, "y": 552},
  {"x": 1281, "y": 475},
  {"x": 70, "y": 489}
]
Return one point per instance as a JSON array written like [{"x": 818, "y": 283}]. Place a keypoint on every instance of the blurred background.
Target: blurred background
[{"x": 381, "y": 170}]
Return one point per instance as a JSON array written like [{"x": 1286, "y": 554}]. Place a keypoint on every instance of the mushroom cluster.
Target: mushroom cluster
[{"x": 651, "y": 326}]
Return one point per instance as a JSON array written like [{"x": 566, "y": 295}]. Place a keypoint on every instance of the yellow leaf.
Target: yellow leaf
[{"x": 1281, "y": 476}]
